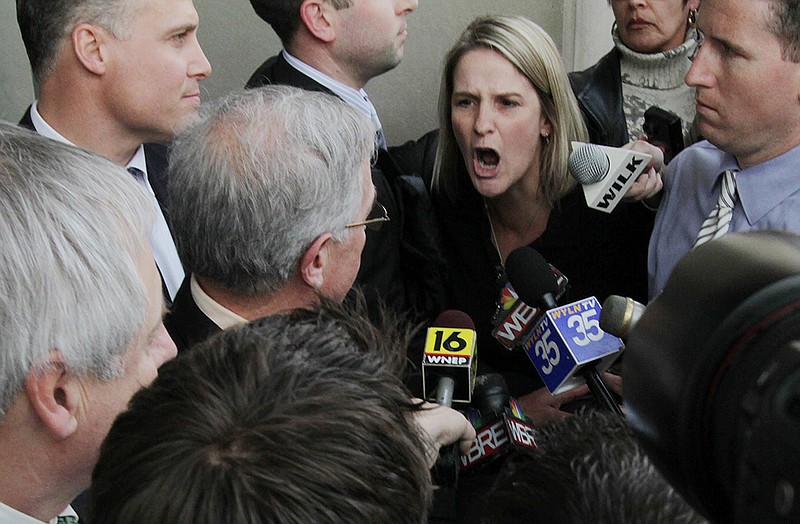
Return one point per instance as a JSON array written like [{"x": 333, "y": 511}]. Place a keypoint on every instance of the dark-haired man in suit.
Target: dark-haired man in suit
[{"x": 113, "y": 75}]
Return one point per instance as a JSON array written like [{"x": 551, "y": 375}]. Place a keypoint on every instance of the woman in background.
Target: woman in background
[
  {"x": 654, "y": 41},
  {"x": 507, "y": 117}
]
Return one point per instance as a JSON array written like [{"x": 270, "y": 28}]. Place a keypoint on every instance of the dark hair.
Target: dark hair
[
  {"x": 45, "y": 25},
  {"x": 587, "y": 468},
  {"x": 785, "y": 25},
  {"x": 298, "y": 417},
  {"x": 284, "y": 15}
]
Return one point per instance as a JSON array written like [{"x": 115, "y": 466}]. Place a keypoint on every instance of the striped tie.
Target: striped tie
[
  {"x": 719, "y": 220},
  {"x": 67, "y": 519}
]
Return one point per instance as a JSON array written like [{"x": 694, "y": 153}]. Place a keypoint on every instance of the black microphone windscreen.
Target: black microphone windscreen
[
  {"x": 588, "y": 164},
  {"x": 530, "y": 275},
  {"x": 453, "y": 318},
  {"x": 491, "y": 393}
]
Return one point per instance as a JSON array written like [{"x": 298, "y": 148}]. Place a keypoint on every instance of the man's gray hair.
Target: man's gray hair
[
  {"x": 72, "y": 229},
  {"x": 45, "y": 26},
  {"x": 264, "y": 173}
]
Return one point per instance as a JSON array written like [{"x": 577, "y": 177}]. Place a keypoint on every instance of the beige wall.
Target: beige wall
[{"x": 237, "y": 41}]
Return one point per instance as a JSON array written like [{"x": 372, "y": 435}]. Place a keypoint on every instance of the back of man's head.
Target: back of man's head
[
  {"x": 72, "y": 231},
  {"x": 45, "y": 25},
  {"x": 264, "y": 173},
  {"x": 284, "y": 15},
  {"x": 587, "y": 468},
  {"x": 293, "y": 418}
]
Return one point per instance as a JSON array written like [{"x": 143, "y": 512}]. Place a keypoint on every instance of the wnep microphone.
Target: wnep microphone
[
  {"x": 448, "y": 374},
  {"x": 605, "y": 172},
  {"x": 449, "y": 362},
  {"x": 500, "y": 425},
  {"x": 620, "y": 315},
  {"x": 514, "y": 318}
]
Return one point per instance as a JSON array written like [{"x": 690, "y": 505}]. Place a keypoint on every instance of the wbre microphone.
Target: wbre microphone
[
  {"x": 619, "y": 315},
  {"x": 515, "y": 318},
  {"x": 500, "y": 425},
  {"x": 605, "y": 172}
]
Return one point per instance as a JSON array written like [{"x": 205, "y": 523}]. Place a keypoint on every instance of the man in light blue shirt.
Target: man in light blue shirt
[{"x": 747, "y": 76}]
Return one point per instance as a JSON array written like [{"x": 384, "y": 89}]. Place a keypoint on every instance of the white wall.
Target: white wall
[{"x": 237, "y": 41}]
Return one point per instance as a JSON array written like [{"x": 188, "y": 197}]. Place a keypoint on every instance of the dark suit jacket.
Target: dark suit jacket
[
  {"x": 401, "y": 263},
  {"x": 186, "y": 324}
]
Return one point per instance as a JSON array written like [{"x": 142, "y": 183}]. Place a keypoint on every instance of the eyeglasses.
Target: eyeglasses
[{"x": 375, "y": 219}]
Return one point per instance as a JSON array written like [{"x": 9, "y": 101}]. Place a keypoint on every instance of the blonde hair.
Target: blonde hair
[{"x": 534, "y": 54}]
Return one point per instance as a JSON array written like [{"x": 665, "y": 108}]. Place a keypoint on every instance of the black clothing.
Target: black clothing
[
  {"x": 186, "y": 324},
  {"x": 599, "y": 93},
  {"x": 591, "y": 248}
]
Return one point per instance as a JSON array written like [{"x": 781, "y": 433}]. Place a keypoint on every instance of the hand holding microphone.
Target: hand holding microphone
[
  {"x": 608, "y": 173},
  {"x": 567, "y": 346}
]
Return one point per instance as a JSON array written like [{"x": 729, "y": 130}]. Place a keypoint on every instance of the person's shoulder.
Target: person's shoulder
[
  {"x": 700, "y": 154},
  {"x": 265, "y": 74},
  {"x": 579, "y": 80}
]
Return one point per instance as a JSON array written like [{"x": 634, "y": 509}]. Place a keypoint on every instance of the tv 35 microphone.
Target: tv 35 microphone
[
  {"x": 567, "y": 346},
  {"x": 500, "y": 425},
  {"x": 513, "y": 318},
  {"x": 620, "y": 315},
  {"x": 605, "y": 172}
]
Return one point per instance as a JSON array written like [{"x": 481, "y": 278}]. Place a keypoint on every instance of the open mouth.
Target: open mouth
[{"x": 487, "y": 158}]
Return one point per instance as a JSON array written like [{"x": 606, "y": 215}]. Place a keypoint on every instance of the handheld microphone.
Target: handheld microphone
[
  {"x": 567, "y": 346},
  {"x": 500, "y": 425},
  {"x": 515, "y": 318},
  {"x": 449, "y": 363},
  {"x": 620, "y": 315},
  {"x": 605, "y": 172}
]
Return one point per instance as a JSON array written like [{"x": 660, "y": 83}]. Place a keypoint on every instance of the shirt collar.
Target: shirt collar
[
  {"x": 355, "y": 97},
  {"x": 764, "y": 186},
  {"x": 43, "y": 128},
  {"x": 223, "y": 317}
]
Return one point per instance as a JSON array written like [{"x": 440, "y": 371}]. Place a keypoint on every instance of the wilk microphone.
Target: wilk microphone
[
  {"x": 449, "y": 362},
  {"x": 500, "y": 425},
  {"x": 605, "y": 172},
  {"x": 619, "y": 315}
]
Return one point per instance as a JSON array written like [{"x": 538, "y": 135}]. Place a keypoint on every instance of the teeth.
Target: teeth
[{"x": 485, "y": 165}]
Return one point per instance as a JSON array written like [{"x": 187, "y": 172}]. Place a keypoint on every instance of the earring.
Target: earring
[
  {"x": 546, "y": 138},
  {"x": 692, "y": 17}
]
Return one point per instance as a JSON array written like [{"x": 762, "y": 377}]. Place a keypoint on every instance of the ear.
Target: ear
[
  {"x": 53, "y": 394},
  {"x": 315, "y": 260},
  {"x": 317, "y": 16},
  {"x": 88, "y": 44},
  {"x": 545, "y": 127}
]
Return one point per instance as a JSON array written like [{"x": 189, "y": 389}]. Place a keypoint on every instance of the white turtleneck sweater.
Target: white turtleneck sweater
[{"x": 657, "y": 79}]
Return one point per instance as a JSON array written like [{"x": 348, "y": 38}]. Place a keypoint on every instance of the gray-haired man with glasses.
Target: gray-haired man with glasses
[{"x": 267, "y": 217}]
